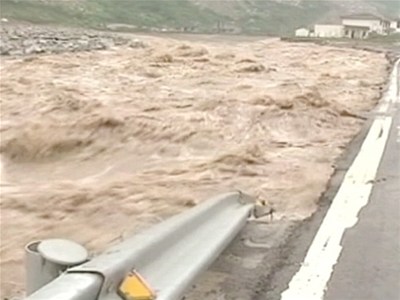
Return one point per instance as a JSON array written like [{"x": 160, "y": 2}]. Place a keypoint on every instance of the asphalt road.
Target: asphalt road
[
  {"x": 261, "y": 263},
  {"x": 369, "y": 265},
  {"x": 355, "y": 253}
]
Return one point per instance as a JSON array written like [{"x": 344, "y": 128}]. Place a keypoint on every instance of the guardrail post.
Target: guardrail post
[{"x": 46, "y": 260}]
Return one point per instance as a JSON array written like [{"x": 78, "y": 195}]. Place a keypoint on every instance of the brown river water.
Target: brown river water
[{"x": 97, "y": 145}]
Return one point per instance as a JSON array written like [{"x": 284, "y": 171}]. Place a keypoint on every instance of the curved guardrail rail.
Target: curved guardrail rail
[{"x": 169, "y": 256}]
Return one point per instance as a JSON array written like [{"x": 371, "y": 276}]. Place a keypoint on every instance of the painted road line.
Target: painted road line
[
  {"x": 391, "y": 95},
  {"x": 310, "y": 282},
  {"x": 384, "y": 107},
  {"x": 393, "y": 89}
]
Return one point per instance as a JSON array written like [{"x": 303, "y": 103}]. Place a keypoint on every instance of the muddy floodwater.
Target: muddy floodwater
[{"x": 97, "y": 145}]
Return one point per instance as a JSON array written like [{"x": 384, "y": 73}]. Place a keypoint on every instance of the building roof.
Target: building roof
[
  {"x": 330, "y": 25},
  {"x": 362, "y": 17},
  {"x": 356, "y": 27}
]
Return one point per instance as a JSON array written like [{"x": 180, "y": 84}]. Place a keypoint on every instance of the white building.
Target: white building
[
  {"x": 328, "y": 30},
  {"x": 374, "y": 23},
  {"x": 356, "y": 32},
  {"x": 395, "y": 25},
  {"x": 302, "y": 32},
  {"x": 354, "y": 26}
]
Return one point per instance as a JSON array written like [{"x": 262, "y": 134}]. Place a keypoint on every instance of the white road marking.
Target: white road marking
[
  {"x": 310, "y": 281},
  {"x": 384, "y": 107},
  {"x": 395, "y": 83},
  {"x": 391, "y": 95}
]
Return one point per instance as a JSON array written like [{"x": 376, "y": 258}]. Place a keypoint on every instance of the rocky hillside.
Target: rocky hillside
[
  {"x": 275, "y": 17},
  {"x": 26, "y": 40}
]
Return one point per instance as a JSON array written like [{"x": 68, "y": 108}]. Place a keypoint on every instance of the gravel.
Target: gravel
[{"x": 28, "y": 40}]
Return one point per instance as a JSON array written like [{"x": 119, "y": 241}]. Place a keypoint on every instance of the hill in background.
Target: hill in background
[{"x": 273, "y": 17}]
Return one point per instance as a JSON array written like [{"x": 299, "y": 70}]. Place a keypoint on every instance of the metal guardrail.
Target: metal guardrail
[{"x": 169, "y": 256}]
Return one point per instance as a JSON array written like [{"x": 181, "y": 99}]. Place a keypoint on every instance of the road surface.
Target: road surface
[
  {"x": 349, "y": 249},
  {"x": 356, "y": 251},
  {"x": 369, "y": 265}
]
